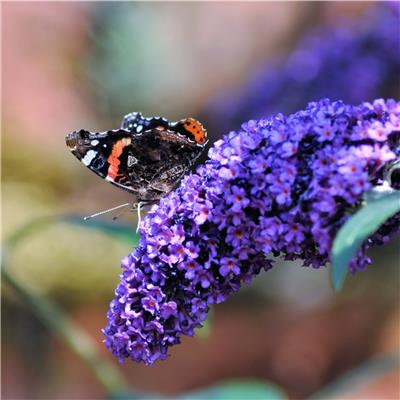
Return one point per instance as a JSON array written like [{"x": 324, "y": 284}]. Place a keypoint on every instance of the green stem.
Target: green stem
[
  {"x": 53, "y": 317},
  {"x": 72, "y": 335}
]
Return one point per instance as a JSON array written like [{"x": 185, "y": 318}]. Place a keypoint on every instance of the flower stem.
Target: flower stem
[{"x": 71, "y": 334}]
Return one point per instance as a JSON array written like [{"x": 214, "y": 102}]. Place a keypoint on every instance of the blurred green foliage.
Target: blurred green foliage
[
  {"x": 129, "y": 66},
  {"x": 73, "y": 264},
  {"x": 238, "y": 390},
  {"x": 38, "y": 167}
]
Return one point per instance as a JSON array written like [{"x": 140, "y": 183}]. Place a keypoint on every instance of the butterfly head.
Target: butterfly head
[
  {"x": 79, "y": 142},
  {"x": 85, "y": 146}
]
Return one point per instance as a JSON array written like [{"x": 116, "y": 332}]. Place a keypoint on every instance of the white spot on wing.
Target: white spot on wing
[
  {"x": 89, "y": 157},
  {"x": 139, "y": 128},
  {"x": 132, "y": 160},
  {"x": 94, "y": 142}
]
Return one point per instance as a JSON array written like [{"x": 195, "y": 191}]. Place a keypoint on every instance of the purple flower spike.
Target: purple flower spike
[
  {"x": 281, "y": 186},
  {"x": 351, "y": 60}
]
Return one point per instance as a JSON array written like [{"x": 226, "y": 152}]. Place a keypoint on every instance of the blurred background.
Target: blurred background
[{"x": 77, "y": 65}]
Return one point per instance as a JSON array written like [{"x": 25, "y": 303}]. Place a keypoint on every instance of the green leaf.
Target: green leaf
[
  {"x": 378, "y": 192},
  {"x": 379, "y": 207},
  {"x": 238, "y": 390}
]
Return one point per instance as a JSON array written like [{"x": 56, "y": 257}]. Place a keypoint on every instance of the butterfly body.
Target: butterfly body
[{"x": 146, "y": 157}]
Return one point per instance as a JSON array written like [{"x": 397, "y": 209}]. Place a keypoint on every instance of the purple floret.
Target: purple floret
[{"x": 281, "y": 186}]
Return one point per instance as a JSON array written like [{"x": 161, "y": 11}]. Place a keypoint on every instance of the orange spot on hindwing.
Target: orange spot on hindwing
[{"x": 196, "y": 129}]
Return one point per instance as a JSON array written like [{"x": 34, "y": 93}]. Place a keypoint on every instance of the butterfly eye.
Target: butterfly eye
[{"x": 71, "y": 141}]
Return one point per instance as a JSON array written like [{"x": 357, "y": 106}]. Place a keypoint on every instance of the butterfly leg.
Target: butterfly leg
[{"x": 138, "y": 206}]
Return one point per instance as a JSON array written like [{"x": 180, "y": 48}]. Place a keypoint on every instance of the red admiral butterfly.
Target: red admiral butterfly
[{"x": 146, "y": 156}]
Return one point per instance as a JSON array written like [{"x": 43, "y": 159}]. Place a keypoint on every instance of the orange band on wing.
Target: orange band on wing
[{"x": 113, "y": 158}]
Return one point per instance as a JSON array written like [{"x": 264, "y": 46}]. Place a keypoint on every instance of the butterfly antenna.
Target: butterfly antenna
[
  {"x": 107, "y": 211},
  {"x": 115, "y": 217}
]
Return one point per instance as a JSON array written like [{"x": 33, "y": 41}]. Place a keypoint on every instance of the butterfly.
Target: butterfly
[{"x": 147, "y": 157}]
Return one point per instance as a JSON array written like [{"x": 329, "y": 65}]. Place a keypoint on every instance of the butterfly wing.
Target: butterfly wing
[
  {"x": 102, "y": 153},
  {"x": 147, "y": 156},
  {"x": 136, "y": 123}
]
